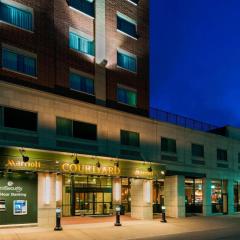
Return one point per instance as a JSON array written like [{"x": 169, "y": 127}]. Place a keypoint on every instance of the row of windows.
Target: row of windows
[
  {"x": 169, "y": 145},
  {"x": 24, "y": 19},
  {"x": 13, "y": 60},
  {"x": 20, "y": 119}
]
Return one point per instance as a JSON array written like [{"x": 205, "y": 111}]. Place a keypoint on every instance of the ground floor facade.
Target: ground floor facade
[{"x": 30, "y": 191}]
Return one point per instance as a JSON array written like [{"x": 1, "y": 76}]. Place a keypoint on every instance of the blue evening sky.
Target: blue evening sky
[{"x": 195, "y": 59}]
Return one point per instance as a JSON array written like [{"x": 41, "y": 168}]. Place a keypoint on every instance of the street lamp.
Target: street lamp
[
  {"x": 117, "y": 223},
  {"x": 163, "y": 214}
]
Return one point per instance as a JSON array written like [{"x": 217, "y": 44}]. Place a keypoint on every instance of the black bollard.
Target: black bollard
[
  {"x": 118, "y": 223},
  {"x": 163, "y": 214},
  {"x": 58, "y": 220}
]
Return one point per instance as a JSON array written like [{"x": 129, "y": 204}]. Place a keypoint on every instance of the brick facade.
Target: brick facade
[{"x": 50, "y": 41}]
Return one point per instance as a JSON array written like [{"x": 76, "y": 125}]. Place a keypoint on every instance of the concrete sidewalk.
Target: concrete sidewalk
[{"x": 130, "y": 229}]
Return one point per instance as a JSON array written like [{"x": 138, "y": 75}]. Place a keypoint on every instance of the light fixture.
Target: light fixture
[
  {"x": 150, "y": 169},
  {"x": 98, "y": 165},
  {"x": 116, "y": 164},
  {"x": 162, "y": 172},
  {"x": 75, "y": 161},
  {"x": 47, "y": 189},
  {"x": 25, "y": 158}
]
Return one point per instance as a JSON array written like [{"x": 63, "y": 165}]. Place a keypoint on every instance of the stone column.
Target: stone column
[
  {"x": 174, "y": 199},
  {"x": 100, "y": 53},
  {"x": 207, "y": 203},
  {"x": 141, "y": 199},
  {"x": 46, "y": 199},
  {"x": 230, "y": 191}
]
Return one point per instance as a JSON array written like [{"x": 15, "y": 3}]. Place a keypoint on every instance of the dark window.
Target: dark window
[
  {"x": 130, "y": 138},
  {"x": 222, "y": 155},
  {"x": 69, "y": 128},
  {"x": 84, "y": 130},
  {"x": 85, "y": 6},
  {"x": 14, "y": 118},
  {"x": 239, "y": 157},
  {"x": 197, "y": 150},
  {"x": 126, "y": 26},
  {"x": 168, "y": 145}
]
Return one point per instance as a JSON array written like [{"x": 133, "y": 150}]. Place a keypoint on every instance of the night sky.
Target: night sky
[{"x": 195, "y": 59}]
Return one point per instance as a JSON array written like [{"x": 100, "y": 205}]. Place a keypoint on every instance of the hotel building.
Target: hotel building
[{"x": 76, "y": 130}]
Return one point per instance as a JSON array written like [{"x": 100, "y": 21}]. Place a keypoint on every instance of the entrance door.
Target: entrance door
[{"x": 93, "y": 203}]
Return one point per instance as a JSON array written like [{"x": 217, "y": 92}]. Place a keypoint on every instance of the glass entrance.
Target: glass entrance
[
  {"x": 193, "y": 196},
  {"x": 87, "y": 195}
]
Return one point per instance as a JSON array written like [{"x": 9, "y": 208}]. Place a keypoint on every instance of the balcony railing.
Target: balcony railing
[{"x": 163, "y": 116}]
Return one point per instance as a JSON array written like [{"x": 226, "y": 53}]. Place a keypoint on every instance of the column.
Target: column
[
  {"x": 141, "y": 199},
  {"x": 207, "y": 203},
  {"x": 230, "y": 191},
  {"x": 46, "y": 199},
  {"x": 100, "y": 53},
  {"x": 174, "y": 191}
]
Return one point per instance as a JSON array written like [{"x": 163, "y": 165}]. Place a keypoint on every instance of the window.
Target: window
[
  {"x": 18, "y": 62},
  {"x": 85, "y": 6},
  {"x": 130, "y": 138},
  {"x": 127, "y": 61},
  {"x": 168, "y": 145},
  {"x": 70, "y": 128},
  {"x": 81, "y": 83},
  {"x": 81, "y": 44},
  {"x": 126, "y": 25},
  {"x": 16, "y": 16},
  {"x": 127, "y": 96},
  {"x": 20, "y": 119},
  {"x": 197, "y": 150},
  {"x": 221, "y": 155}
]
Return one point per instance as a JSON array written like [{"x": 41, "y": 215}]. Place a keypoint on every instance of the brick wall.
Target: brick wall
[{"x": 50, "y": 42}]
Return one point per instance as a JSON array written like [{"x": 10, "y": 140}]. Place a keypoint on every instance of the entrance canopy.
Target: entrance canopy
[{"x": 63, "y": 162}]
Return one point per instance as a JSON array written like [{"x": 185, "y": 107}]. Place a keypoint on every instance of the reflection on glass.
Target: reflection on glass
[
  {"x": 216, "y": 196},
  {"x": 193, "y": 195}
]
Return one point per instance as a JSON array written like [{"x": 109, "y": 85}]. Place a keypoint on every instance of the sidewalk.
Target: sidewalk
[{"x": 134, "y": 229}]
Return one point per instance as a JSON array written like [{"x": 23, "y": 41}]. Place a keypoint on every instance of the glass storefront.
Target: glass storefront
[
  {"x": 86, "y": 195},
  {"x": 236, "y": 196},
  {"x": 216, "y": 196},
  {"x": 193, "y": 195},
  {"x": 158, "y": 196}
]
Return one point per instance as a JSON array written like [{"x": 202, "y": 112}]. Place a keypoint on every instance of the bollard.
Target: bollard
[
  {"x": 118, "y": 223},
  {"x": 58, "y": 220},
  {"x": 163, "y": 214}
]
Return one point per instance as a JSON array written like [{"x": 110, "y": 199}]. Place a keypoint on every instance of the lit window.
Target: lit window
[
  {"x": 81, "y": 83},
  {"x": 16, "y": 16},
  {"x": 126, "y": 25},
  {"x": 127, "y": 96},
  {"x": 18, "y": 62},
  {"x": 127, "y": 61},
  {"x": 81, "y": 44},
  {"x": 85, "y": 6}
]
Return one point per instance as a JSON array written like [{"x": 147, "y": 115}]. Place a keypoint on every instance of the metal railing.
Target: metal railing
[{"x": 163, "y": 116}]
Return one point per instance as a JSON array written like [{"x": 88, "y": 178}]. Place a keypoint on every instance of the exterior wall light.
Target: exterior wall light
[
  {"x": 75, "y": 161},
  {"x": 98, "y": 165},
  {"x": 47, "y": 189},
  {"x": 162, "y": 172},
  {"x": 147, "y": 194},
  {"x": 150, "y": 169},
  {"x": 25, "y": 158},
  {"x": 116, "y": 164}
]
